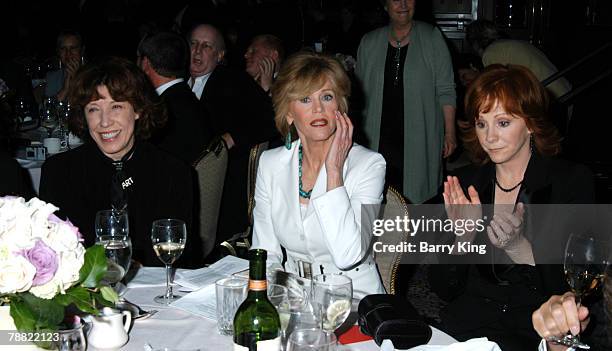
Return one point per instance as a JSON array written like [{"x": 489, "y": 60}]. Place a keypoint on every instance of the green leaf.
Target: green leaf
[
  {"x": 22, "y": 315},
  {"x": 109, "y": 294},
  {"x": 47, "y": 313},
  {"x": 78, "y": 296},
  {"x": 94, "y": 267}
]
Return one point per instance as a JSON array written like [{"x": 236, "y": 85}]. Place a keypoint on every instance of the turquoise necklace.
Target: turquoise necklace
[{"x": 303, "y": 194}]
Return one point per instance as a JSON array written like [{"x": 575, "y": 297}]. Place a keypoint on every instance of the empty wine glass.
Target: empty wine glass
[
  {"x": 312, "y": 340},
  {"x": 334, "y": 293},
  {"x": 297, "y": 314},
  {"x": 112, "y": 222},
  {"x": 118, "y": 251},
  {"x": 169, "y": 237},
  {"x": 48, "y": 120},
  {"x": 585, "y": 264}
]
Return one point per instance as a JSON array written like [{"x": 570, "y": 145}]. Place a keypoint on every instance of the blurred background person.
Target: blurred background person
[
  {"x": 309, "y": 193},
  {"x": 163, "y": 57},
  {"x": 70, "y": 52},
  {"x": 263, "y": 59},
  {"x": 115, "y": 105},
  {"x": 409, "y": 115},
  {"x": 490, "y": 45},
  {"x": 241, "y": 113}
]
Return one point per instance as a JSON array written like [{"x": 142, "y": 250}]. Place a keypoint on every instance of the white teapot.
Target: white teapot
[{"x": 109, "y": 330}]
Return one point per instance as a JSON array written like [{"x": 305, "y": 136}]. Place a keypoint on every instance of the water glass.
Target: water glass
[
  {"x": 111, "y": 222},
  {"x": 118, "y": 251},
  {"x": 230, "y": 292},
  {"x": 297, "y": 314},
  {"x": 312, "y": 340},
  {"x": 334, "y": 293}
]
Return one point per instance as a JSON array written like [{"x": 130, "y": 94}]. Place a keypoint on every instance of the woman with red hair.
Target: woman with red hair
[{"x": 513, "y": 145}]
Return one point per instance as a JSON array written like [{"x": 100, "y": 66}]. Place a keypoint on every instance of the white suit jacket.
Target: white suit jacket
[{"x": 330, "y": 237}]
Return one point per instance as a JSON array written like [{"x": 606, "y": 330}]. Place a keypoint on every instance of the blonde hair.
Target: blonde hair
[{"x": 301, "y": 75}]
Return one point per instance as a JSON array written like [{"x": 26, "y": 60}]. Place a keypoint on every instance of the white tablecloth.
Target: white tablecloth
[{"x": 181, "y": 330}]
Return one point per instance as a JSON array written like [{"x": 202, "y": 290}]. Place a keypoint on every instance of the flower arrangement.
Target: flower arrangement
[{"x": 44, "y": 268}]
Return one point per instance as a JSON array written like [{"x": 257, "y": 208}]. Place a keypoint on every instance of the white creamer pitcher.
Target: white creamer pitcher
[{"x": 109, "y": 330}]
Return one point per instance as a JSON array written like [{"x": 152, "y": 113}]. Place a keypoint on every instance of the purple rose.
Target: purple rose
[{"x": 44, "y": 259}]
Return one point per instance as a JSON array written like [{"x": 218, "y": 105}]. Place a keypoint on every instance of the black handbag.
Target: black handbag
[{"x": 384, "y": 316}]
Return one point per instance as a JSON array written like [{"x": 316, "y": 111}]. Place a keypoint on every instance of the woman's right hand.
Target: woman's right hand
[
  {"x": 558, "y": 316},
  {"x": 459, "y": 206}
]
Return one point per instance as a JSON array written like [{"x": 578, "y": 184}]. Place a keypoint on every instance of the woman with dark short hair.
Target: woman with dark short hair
[
  {"x": 310, "y": 194},
  {"x": 513, "y": 145},
  {"x": 117, "y": 109}
]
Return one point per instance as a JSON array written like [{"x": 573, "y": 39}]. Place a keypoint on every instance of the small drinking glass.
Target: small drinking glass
[
  {"x": 334, "y": 293},
  {"x": 230, "y": 293},
  {"x": 70, "y": 340},
  {"x": 111, "y": 222},
  {"x": 312, "y": 340},
  {"x": 118, "y": 251},
  {"x": 48, "y": 120},
  {"x": 169, "y": 237}
]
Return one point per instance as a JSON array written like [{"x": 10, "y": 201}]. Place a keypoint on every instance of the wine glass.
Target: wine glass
[
  {"x": 112, "y": 222},
  {"x": 118, "y": 251},
  {"x": 312, "y": 340},
  {"x": 585, "y": 264},
  {"x": 334, "y": 294},
  {"x": 297, "y": 314},
  {"x": 168, "y": 237},
  {"x": 48, "y": 120}
]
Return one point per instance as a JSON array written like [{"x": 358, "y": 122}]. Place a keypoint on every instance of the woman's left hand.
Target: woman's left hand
[
  {"x": 506, "y": 229},
  {"x": 341, "y": 144}
]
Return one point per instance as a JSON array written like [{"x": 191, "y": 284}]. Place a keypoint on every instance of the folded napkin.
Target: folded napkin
[
  {"x": 149, "y": 276},
  {"x": 479, "y": 344}
]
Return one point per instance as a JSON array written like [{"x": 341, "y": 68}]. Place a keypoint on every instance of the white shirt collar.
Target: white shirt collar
[
  {"x": 160, "y": 89},
  {"x": 197, "y": 84}
]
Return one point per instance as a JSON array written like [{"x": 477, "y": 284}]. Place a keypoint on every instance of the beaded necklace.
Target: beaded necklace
[{"x": 303, "y": 194}]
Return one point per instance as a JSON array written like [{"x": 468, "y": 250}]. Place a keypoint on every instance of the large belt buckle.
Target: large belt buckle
[{"x": 304, "y": 269}]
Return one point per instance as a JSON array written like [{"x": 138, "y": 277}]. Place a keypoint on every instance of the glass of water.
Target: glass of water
[{"x": 118, "y": 251}]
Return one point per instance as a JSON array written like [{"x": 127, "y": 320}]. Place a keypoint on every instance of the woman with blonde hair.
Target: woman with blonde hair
[{"x": 309, "y": 194}]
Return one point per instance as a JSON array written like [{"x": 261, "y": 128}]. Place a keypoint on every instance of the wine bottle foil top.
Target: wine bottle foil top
[{"x": 258, "y": 285}]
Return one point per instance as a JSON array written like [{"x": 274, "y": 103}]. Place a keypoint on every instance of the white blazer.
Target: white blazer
[{"x": 330, "y": 237}]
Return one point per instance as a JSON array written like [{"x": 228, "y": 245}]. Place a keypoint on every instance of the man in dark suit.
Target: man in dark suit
[
  {"x": 241, "y": 113},
  {"x": 163, "y": 57}
]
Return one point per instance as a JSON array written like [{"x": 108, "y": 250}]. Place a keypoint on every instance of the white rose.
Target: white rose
[
  {"x": 69, "y": 266},
  {"x": 16, "y": 275},
  {"x": 47, "y": 290},
  {"x": 61, "y": 238}
]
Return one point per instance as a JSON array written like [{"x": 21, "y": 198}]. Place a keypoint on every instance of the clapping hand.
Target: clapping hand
[
  {"x": 459, "y": 206},
  {"x": 506, "y": 229},
  {"x": 558, "y": 316},
  {"x": 336, "y": 156}
]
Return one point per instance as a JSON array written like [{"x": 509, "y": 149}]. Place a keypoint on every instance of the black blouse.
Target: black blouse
[{"x": 79, "y": 183}]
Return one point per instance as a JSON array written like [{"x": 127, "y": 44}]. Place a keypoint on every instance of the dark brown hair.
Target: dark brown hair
[
  {"x": 125, "y": 82},
  {"x": 518, "y": 92},
  {"x": 301, "y": 75}
]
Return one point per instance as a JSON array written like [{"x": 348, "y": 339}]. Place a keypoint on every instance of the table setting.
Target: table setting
[{"x": 109, "y": 302}]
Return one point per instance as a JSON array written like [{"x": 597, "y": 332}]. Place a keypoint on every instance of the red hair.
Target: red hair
[{"x": 520, "y": 94}]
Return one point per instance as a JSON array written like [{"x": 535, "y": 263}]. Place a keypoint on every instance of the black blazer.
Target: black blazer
[
  {"x": 188, "y": 130},
  {"x": 237, "y": 105},
  {"x": 547, "y": 181},
  {"x": 79, "y": 183}
]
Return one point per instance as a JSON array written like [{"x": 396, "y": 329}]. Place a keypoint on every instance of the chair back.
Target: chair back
[
  {"x": 388, "y": 262},
  {"x": 210, "y": 167},
  {"x": 240, "y": 243}
]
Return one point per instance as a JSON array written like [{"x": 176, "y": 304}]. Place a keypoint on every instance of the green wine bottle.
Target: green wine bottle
[{"x": 256, "y": 323}]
